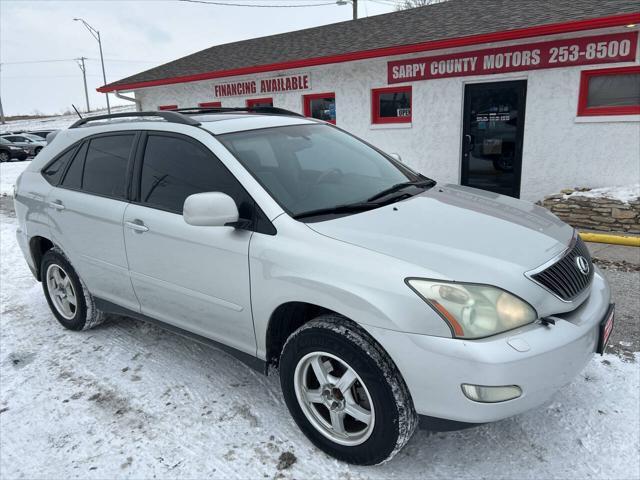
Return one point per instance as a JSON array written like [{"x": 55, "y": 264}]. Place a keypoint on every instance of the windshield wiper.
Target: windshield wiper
[
  {"x": 427, "y": 183},
  {"x": 346, "y": 208}
]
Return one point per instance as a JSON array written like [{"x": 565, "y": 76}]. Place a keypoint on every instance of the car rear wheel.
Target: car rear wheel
[
  {"x": 67, "y": 296},
  {"x": 4, "y": 157},
  {"x": 345, "y": 393}
]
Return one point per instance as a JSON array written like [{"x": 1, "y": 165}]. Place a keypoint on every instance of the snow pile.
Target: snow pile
[
  {"x": 9, "y": 172},
  {"x": 624, "y": 193}
]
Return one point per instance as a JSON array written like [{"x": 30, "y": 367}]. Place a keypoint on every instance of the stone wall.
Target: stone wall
[{"x": 595, "y": 213}]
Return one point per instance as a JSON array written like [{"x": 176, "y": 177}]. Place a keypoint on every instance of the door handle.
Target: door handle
[
  {"x": 137, "y": 226},
  {"x": 56, "y": 204}
]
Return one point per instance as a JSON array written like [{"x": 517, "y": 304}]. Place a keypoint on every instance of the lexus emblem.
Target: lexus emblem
[{"x": 582, "y": 265}]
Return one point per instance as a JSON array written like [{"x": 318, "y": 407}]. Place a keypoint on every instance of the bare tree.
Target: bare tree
[{"x": 408, "y": 4}]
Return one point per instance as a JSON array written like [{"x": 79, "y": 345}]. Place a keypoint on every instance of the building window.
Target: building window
[
  {"x": 210, "y": 104},
  {"x": 168, "y": 107},
  {"x": 391, "y": 105},
  {"x": 321, "y": 106},
  {"x": 259, "y": 102},
  {"x": 610, "y": 91}
]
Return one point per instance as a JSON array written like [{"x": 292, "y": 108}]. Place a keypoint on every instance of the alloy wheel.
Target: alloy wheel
[
  {"x": 61, "y": 291},
  {"x": 334, "y": 398}
]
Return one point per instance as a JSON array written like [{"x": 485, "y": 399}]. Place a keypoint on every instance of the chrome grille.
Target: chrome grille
[{"x": 565, "y": 278}]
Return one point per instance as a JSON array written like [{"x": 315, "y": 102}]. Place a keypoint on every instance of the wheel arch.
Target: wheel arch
[
  {"x": 286, "y": 319},
  {"x": 289, "y": 316},
  {"x": 38, "y": 246}
]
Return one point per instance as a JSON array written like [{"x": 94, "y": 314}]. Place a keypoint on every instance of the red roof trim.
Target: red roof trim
[{"x": 576, "y": 26}]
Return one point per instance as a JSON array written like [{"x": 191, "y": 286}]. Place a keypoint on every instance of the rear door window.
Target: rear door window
[{"x": 105, "y": 167}]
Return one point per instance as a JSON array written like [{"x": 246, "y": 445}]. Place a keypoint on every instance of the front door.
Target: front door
[
  {"x": 493, "y": 128},
  {"x": 196, "y": 278}
]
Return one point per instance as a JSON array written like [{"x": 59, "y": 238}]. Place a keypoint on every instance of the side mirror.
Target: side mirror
[
  {"x": 210, "y": 209},
  {"x": 396, "y": 156}
]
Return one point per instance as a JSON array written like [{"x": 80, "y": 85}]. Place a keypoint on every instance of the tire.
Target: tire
[
  {"x": 83, "y": 315},
  {"x": 387, "y": 418},
  {"x": 5, "y": 157}
]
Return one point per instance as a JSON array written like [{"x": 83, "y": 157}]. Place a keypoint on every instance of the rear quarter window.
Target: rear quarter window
[
  {"x": 54, "y": 171},
  {"x": 73, "y": 177}
]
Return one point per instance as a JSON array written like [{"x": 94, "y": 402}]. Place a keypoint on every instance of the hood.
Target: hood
[{"x": 457, "y": 233}]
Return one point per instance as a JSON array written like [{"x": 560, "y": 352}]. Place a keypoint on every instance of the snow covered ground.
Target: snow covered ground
[
  {"x": 9, "y": 172},
  {"x": 130, "y": 400},
  {"x": 55, "y": 122}
]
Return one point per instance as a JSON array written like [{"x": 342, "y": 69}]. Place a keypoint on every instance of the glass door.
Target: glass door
[{"x": 493, "y": 130}]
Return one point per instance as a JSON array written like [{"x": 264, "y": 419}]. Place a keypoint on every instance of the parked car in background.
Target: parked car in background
[
  {"x": 31, "y": 143},
  {"x": 380, "y": 294},
  {"x": 9, "y": 151},
  {"x": 41, "y": 133}
]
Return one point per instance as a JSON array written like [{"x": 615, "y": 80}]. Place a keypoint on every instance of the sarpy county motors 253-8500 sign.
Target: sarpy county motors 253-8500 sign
[{"x": 618, "y": 47}]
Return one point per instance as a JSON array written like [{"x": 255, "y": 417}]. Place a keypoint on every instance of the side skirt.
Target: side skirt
[{"x": 249, "y": 360}]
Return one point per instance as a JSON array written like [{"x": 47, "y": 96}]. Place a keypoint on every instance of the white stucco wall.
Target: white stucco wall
[{"x": 560, "y": 150}]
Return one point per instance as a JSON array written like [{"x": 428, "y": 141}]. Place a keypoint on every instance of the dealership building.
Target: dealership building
[{"x": 517, "y": 97}]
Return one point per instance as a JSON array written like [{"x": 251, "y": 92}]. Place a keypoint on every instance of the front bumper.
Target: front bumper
[{"x": 546, "y": 358}]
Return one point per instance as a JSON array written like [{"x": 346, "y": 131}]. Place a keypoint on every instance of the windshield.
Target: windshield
[{"x": 315, "y": 167}]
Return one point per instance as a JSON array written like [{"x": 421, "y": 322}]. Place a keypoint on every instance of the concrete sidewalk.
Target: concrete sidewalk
[{"x": 615, "y": 253}]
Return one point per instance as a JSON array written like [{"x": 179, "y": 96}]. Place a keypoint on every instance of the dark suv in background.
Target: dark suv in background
[{"x": 9, "y": 152}]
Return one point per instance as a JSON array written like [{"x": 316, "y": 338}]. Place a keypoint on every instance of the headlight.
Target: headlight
[{"x": 473, "y": 310}]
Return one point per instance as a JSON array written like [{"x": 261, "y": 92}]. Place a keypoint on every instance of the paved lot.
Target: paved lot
[{"x": 130, "y": 400}]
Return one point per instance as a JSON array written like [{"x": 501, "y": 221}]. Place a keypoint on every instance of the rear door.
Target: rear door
[
  {"x": 86, "y": 210},
  {"x": 196, "y": 278}
]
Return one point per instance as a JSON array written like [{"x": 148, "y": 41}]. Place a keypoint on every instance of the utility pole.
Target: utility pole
[
  {"x": 1, "y": 109},
  {"x": 96, "y": 34},
  {"x": 354, "y": 4},
  {"x": 84, "y": 78}
]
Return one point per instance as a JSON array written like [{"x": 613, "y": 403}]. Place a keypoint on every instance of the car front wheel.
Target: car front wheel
[
  {"x": 4, "y": 157},
  {"x": 345, "y": 393}
]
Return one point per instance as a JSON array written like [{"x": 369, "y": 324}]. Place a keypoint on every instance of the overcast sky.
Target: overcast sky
[{"x": 136, "y": 35}]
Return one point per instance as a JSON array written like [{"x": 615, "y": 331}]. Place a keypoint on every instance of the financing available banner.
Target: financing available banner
[
  {"x": 617, "y": 47},
  {"x": 286, "y": 83}
]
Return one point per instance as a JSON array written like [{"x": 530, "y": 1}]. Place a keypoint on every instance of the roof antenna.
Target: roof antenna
[{"x": 74, "y": 107}]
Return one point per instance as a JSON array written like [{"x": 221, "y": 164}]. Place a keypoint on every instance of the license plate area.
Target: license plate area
[{"x": 606, "y": 327}]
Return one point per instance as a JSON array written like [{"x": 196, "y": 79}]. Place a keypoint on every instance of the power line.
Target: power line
[
  {"x": 115, "y": 60},
  {"x": 223, "y": 4},
  {"x": 38, "y": 61}
]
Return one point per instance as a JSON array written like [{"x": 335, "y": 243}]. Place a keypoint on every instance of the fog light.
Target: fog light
[{"x": 479, "y": 393}]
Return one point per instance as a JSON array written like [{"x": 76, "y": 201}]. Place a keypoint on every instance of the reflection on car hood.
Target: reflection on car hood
[{"x": 457, "y": 232}]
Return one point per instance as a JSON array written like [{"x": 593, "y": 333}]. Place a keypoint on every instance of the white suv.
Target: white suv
[{"x": 381, "y": 295}]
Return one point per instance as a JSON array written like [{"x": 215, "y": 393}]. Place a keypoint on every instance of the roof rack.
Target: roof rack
[
  {"x": 255, "y": 109},
  {"x": 169, "y": 116}
]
